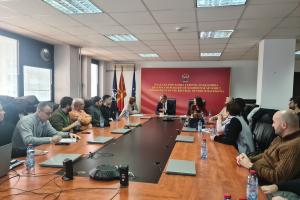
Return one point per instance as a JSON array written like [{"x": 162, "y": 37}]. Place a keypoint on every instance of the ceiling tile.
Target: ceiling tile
[
  {"x": 111, "y": 6},
  {"x": 108, "y": 29},
  {"x": 133, "y": 18},
  {"x": 148, "y": 37},
  {"x": 293, "y": 32},
  {"x": 219, "y": 14},
  {"x": 296, "y": 13},
  {"x": 250, "y": 33},
  {"x": 5, "y": 12},
  {"x": 185, "y": 42},
  {"x": 268, "y": 11},
  {"x": 30, "y": 7},
  {"x": 58, "y": 21},
  {"x": 169, "y": 4},
  {"x": 186, "y": 27},
  {"x": 144, "y": 28},
  {"x": 258, "y": 23},
  {"x": 174, "y": 16},
  {"x": 100, "y": 19},
  {"x": 251, "y": 2},
  {"x": 217, "y": 25},
  {"x": 290, "y": 22},
  {"x": 183, "y": 36},
  {"x": 157, "y": 42}
]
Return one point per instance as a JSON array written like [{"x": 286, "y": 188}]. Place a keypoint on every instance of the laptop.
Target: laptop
[
  {"x": 183, "y": 138},
  {"x": 57, "y": 161},
  {"x": 121, "y": 131},
  {"x": 181, "y": 167},
  {"x": 5, "y": 155},
  {"x": 100, "y": 140}
]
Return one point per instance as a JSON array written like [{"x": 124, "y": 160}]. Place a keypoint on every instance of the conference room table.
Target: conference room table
[{"x": 215, "y": 176}]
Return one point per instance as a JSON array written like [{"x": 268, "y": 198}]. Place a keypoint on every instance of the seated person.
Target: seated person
[
  {"x": 295, "y": 105},
  {"x": 222, "y": 121},
  {"x": 198, "y": 106},
  {"x": 131, "y": 107},
  {"x": 35, "y": 129},
  {"x": 6, "y": 128},
  {"x": 236, "y": 132},
  {"x": 223, "y": 112},
  {"x": 286, "y": 190},
  {"x": 165, "y": 107},
  {"x": 78, "y": 114},
  {"x": 105, "y": 109},
  {"x": 94, "y": 111},
  {"x": 60, "y": 119},
  {"x": 280, "y": 162}
]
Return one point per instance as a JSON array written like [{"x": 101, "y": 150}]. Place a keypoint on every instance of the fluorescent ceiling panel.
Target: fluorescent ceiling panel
[
  {"x": 218, "y": 3},
  {"x": 74, "y": 6}
]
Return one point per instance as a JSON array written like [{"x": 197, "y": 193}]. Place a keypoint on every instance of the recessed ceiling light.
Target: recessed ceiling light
[
  {"x": 215, "y": 34},
  {"x": 122, "y": 38},
  {"x": 74, "y": 6},
  {"x": 214, "y": 54},
  {"x": 217, "y": 3},
  {"x": 149, "y": 55},
  {"x": 297, "y": 52}
]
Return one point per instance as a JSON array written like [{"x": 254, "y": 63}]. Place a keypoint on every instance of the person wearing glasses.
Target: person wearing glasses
[
  {"x": 78, "y": 114},
  {"x": 35, "y": 129}
]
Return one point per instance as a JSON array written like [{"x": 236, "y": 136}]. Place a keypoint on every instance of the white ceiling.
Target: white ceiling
[{"x": 154, "y": 23}]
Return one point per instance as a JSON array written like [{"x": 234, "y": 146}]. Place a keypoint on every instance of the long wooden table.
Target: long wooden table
[{"x": 217, "y": 175}]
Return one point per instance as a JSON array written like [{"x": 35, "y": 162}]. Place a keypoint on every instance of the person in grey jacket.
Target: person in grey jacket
[{"x": 35, "y": 129}]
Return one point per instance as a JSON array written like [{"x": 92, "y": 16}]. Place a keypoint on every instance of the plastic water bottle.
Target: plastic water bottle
[
  {"x": 252, "y": 186},
  {"x": 200, "y": 126},
  {"x": 117, "y": 115},
  {"x": 30, "y": 159},
  {"x": 127, "y": 117},
  {"x": 101, "y": 121},
  {"x": 203, "y": 149},
  {"x": 227, "y": 197}
]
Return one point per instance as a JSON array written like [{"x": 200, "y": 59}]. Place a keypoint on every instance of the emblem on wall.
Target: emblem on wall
[{"x": 185, "y": 78}]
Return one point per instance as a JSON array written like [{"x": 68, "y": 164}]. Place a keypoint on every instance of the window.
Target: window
[
  {"x": 94, "y": 79},
  {"x": 37, "y": 81},
  {"x": 8, "y": 66}
]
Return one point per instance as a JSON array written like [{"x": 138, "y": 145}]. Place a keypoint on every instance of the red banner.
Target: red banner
[{"x": 183, "y": 84}]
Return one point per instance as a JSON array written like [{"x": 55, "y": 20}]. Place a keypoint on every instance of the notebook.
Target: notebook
[
  {"x": 121, "y": 131},
  {"x": 133, "y": 124},
  {"x": 67, "y": 140},
  {"x": 188, "y": 129},
  {"x": 100, "y": 140},
  {"x": 57, "y": 161},
  {"x": 137, "y": 115},
  {"x": 181, "y": 167},
  {"x": 183, "y": 138}
]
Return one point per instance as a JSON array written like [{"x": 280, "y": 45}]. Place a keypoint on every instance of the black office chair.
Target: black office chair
[
  {"x": 262, "y": 130},
  {"x": 172, "y": 102}
]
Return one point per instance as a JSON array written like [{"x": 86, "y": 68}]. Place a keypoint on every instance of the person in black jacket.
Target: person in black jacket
[
  {"x": 294, "y": 104},
  {"x": 287, "y": 189},
  {"x": 6, "y": 128},
  {"x": 95, "y": 111},
  {"x": 164, "y": 106},
  {"x": 105, "y": 109}
]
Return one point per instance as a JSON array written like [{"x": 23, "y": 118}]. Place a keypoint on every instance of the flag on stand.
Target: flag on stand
[
  {"x": 133, "y": 91},
  {"x": 121, "y": 92},
  {"x": 115, "y": 87}
]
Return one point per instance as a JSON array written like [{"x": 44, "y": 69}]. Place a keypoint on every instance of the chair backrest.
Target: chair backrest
[
  {"x": 172, "y": 101},
  {"x": 261, "y": 126}
]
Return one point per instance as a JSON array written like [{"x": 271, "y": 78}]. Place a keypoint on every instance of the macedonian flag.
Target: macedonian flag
[{"x": 121, "y": 92}]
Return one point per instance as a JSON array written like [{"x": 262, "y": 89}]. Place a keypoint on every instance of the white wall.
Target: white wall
[
  {"x": 242, "y": 84},
  {"x": 67, "y": 72},
  {"x": 276, "y": 66}
]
